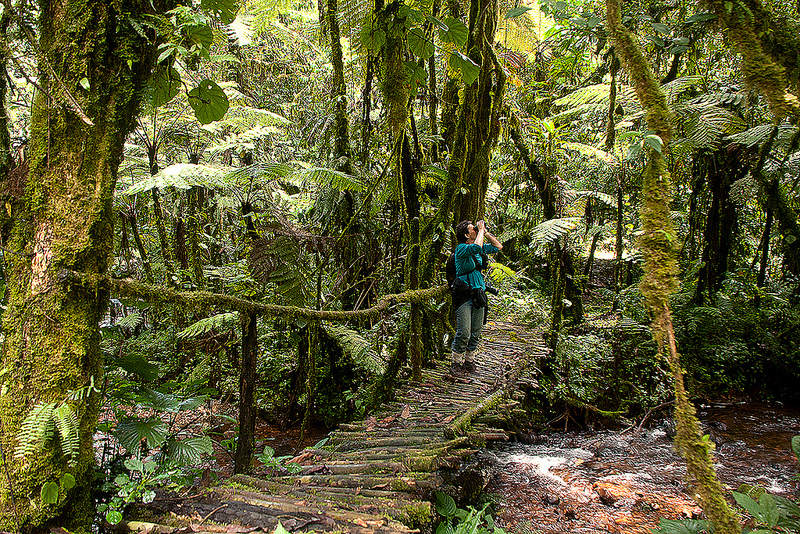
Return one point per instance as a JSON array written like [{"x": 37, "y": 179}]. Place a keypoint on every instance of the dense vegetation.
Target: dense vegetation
[{"x": 246, "y": 184}]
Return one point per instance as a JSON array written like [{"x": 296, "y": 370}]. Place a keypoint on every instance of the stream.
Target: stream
[{"x": 607, "y": 481}]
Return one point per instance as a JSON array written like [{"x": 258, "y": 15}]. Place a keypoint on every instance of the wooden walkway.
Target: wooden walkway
[{"x": 378, "y": 475}]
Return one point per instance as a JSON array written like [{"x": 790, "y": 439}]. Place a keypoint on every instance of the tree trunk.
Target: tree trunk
[
  {"x": 341, "y": 149},
  {"x": 137, "y": 238},
  {"x": 245, "y": 445},
  {"x": 51, "y": 327}
]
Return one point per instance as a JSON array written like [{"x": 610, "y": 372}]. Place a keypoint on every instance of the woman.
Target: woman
[{"x": 470, "y": 311}]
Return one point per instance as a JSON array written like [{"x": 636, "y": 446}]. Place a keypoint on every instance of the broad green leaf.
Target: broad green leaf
[
  {"x": 85, "y": 83},
  {"x": 200, "y": 34},
  {"x": 50, "y": 493},
  {"x": 682, "y": 526},
  {"x": 445, "y": 527},
  {"x": 419, "y": 44},
  {"x": 661, "y": 28},
  {"x": 752, "y": 507},
  {"x": 769, "y": 509},
  {"x": 131, "y": 431},
  {"x": 114, "y": 517},
  {"x": 166, "y": 84},
  {"x": 190, "y": 450},
  {"x": 517, "y": 11},
  {"x": 208, "y": 101},
  {"x": 136, "y": 364},
  {"x": 468, "y": 69},
  {"x": 372, "y": 38},
  {"x": 654, "y": 142},
  {"x": 445, "y": 505},
  {"x": 67, "y": 481},
  {"x": 279, "y": 529},
  {"x": 134, "y": 464},
  {"x": 701, "y": 17},
  {"x": 796, "y": 446},
  {"x": 456, "y": 32},
  {"x": 224, "y": 9}
]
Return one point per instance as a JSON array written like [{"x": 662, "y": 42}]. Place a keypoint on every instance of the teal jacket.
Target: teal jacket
[{"x": 467, "y": 257}]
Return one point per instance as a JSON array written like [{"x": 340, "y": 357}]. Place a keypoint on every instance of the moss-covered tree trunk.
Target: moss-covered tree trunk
[
  {"x": 479, "y": 114},
  {"x": 658, "y": 243},
  {"x": 51, "y": 327}
]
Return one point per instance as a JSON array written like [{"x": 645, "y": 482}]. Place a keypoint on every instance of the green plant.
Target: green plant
[
  {"x": 274, "y": 463},
  {"x": 137, "y": 485},
  {"x": 459, "y": 521}
]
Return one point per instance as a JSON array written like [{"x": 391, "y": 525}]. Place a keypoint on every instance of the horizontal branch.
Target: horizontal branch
[{"x": 152, "y": 293}]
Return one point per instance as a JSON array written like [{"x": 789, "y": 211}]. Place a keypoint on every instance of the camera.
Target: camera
[{"x": 490, "y": 288}]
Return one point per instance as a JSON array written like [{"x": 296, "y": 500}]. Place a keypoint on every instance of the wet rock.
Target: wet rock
[
  {"x": 549, "y": 498},
  {"x": 613, "y": 494}
]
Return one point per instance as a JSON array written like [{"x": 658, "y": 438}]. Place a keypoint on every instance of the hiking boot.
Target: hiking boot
[
  {"x": 457, "y": 369},
  {"x": 470, "y": 367}
]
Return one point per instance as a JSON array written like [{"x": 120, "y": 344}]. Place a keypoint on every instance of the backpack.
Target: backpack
[{"x": 450, "y": 267}]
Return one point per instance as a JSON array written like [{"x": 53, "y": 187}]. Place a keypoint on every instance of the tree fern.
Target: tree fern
[
  {"x": 181, "y": 176},
  {"x": 550, "y": 230},
  {"x": 216, "y": 323},
  {"x": 355, "y": 347},
  {"x": 132, "y": 320}
]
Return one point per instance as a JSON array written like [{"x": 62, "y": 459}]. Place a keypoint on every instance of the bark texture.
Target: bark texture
[{"x": 65, "y": 221}]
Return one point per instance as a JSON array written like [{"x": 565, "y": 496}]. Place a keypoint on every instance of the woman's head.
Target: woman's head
[{"x": 463, "y": 231}]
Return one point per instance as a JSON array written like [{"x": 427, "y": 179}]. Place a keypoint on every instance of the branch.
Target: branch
[{"x": 152, "y": 293}]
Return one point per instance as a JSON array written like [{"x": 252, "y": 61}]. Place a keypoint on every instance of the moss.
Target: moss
[
  {"x": 416, "y": 515},
  {"x": 658, "y": 244}
]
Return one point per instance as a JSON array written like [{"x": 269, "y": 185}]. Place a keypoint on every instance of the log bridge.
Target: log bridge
[{"x": 378, "y": 475}]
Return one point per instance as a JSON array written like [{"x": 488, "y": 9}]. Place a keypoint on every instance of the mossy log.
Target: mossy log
[
  {"x": 459, "y": 425},
  {"x": 204, "y": 299}
]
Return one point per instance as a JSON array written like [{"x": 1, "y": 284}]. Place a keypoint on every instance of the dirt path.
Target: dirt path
[{"x": 377, "y": 475}]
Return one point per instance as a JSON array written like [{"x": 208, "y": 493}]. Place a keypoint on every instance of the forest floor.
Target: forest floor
[{"x": 378, "y": 475}]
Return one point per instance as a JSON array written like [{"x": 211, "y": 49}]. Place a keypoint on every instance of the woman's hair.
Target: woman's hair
[{"x": 462, "y": 229}]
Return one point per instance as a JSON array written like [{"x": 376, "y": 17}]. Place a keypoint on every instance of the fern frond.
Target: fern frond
[
  {"x": 355, "y": 347},
  {"x": 322, "y": 176},
  {"x": 605, "y": 198},
  {"x": 218, "y": 323},
  {"x": 550, "y": 230},
  {"x": 744, "y": 189},
  {"x": 66, "y": 421},
  {"x": 132, "y": 320},
  {"x": 181, "y": 176},
  {"x": 592, "y": 152},
  {"x": 752, "y": 137},
  {"x": 35, "y": 429},
  {"x": 676, "y": 88}
]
